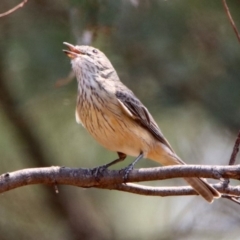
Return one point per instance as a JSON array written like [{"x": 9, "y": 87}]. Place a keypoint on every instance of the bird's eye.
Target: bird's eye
[{"x": 95, "y": 51}]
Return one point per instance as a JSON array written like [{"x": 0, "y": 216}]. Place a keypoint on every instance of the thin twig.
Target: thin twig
[
  {"x": 229, "y": 191},
  {"x": 231, "y": 19},
  {"x": 153, "y": 191},
  {"x": 235, "y": 150},
  {"x": 14, "y": 9},
  {"x": 232, "y": 160},
  {"x": 233, "y": 199},
  {"x": 64, "y": 81}
]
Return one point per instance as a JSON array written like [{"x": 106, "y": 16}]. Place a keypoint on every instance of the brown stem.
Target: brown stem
[
  {"x": 235, "y": 150},
  {"x": 231, "y": 19},
  {"x": 13, "y": 9}
]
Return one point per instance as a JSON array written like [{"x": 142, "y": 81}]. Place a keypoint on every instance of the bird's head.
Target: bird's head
[{"x": 87, "y": 57}]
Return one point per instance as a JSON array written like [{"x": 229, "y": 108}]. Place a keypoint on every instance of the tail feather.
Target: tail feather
[
  {"x": 203, "y": 189},
  {"x": 167, "y": 157}
]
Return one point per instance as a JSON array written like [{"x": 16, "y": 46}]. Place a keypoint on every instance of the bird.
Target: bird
[{"x": 117, "y": 119}]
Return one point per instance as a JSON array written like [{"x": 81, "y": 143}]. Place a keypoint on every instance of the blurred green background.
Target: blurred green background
[{"x": 181, "y": 58}]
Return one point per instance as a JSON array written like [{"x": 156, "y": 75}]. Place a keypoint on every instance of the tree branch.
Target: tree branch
[
  {"x": 113, "y": 179},
  {"x": 235, "y": 150},
  {"x": 14, "y": 9},
  {"x": 231, "y": 19},
  {"x": 229, "y": 191}
]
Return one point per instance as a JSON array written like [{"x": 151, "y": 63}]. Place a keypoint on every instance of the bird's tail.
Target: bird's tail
[
  {"x": 203, "y": 188},
  {"x": 167, "y": 157}
]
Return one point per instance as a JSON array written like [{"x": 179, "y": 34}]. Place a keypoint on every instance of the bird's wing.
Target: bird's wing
[{"x": 136, "y": 110}]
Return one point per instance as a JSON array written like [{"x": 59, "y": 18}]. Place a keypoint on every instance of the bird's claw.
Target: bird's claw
[
  {"x": 126, "y": 172},
  {"x": 98, "y": 172}
]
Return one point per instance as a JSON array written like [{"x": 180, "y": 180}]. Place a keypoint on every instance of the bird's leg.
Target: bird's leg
[
  {"x": 100, "y": 169},
  {"x": 121, "y": 157},
  {"x": 129, "y": 168}
]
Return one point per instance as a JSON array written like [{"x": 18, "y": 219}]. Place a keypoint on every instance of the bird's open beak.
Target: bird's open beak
[{"x": 72, "y": 52}]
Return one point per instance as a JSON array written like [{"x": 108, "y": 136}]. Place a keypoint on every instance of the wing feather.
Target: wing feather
[{"x": 133, "y": 107}]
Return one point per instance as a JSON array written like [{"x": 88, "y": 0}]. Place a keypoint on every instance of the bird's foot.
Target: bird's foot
[
  {"x": 129, "y": 168},
  {"x": 99, "y": 171},
  {"x": 126, "y": 171}
]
